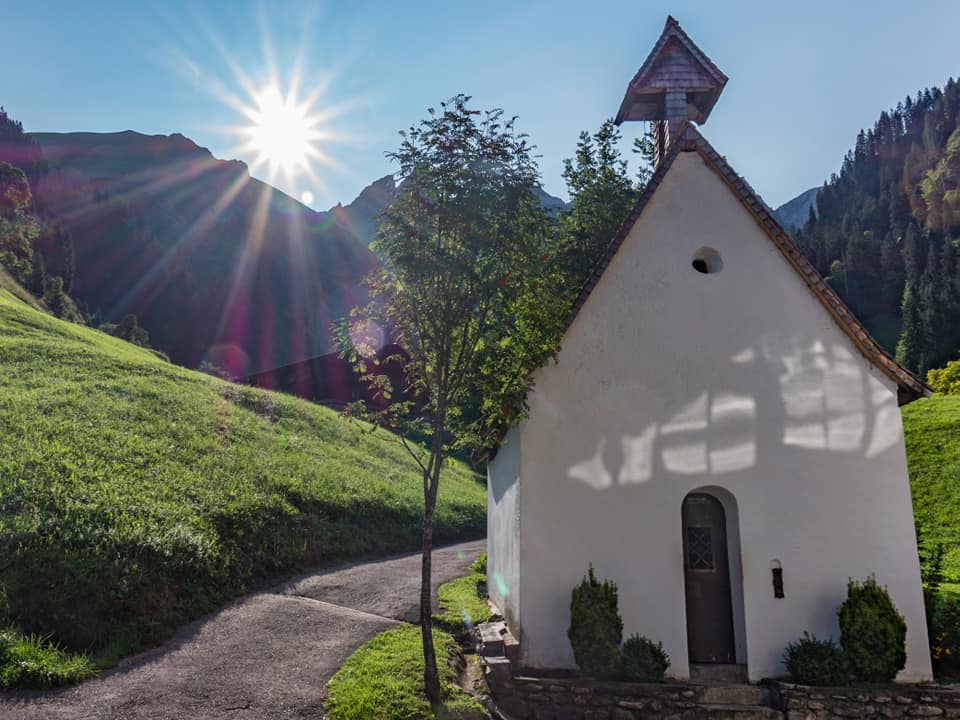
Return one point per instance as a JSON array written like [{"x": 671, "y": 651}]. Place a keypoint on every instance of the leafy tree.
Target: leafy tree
[
  {"x": 18, "y": 227},
  {"x": 945, "y": 380},
  {"x": 601, "y": 196},
  {"x": 467, "y": 287}
]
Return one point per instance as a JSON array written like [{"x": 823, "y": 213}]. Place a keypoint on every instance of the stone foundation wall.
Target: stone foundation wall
[
  {"x": 525, "y": 698},
  {"x": 799, "y": 702}
]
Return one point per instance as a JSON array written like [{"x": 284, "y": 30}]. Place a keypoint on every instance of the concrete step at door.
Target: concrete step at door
[
  {"x": 740, "y": 712},
  {"x": 732, "y": 695}
]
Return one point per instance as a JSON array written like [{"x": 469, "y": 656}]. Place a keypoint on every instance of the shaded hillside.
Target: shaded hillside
[
  {"x": 216, "y": 265},
  {"x": 794, "y": 213},
  {"x": 885, "y": 230},
  {"x": 136, "y": 494}
]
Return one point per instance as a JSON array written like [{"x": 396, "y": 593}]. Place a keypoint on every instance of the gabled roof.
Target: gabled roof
[
  {"x": 675, "y": 63},
  {"x": 690, "y": 140}
]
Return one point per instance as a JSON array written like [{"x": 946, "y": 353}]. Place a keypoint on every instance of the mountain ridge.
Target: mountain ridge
[{"x": 166, "y": 231}]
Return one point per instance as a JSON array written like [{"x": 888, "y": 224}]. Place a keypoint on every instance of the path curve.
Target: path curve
[{"x": 267, "y": 655}]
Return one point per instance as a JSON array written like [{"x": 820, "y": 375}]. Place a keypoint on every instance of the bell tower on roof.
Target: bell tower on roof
[{"x": 677, "y": 83}]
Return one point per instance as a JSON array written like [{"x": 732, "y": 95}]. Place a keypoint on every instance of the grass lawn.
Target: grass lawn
[
  {"x": 932, "y": 428},
  {"x": 136, "y": 495},
  {"x": 384, "y": 679}
]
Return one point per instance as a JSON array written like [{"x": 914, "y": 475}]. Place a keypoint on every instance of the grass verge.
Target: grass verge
[
  {"x": 30, "y": 661},
  {"x": 384, "y": 679},
  {"x": 136, "y": 495},
  {"x": 932, "y": 429},
  {"x": 462, "y": 602}
]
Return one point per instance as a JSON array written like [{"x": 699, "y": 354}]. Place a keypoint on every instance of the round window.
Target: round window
[{"x": 706, "y": 260}]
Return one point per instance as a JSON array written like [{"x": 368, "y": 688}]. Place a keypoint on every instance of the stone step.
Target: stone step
[
  {"x": 740, "y": 712},
  {"x": 732, "y": 695},
  {"x": 711, "y": 673}
]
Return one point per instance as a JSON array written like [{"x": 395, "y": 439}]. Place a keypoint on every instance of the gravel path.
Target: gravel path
[{"x": 268, "y": 655}]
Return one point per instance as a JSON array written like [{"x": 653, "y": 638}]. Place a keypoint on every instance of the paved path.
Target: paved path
[{"x": 267, "y": 655}]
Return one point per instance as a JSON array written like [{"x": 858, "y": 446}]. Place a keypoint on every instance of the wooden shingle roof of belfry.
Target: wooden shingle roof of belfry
[
  {"x": 671, "y": 31},
  {"x": 689, "y": 139}
]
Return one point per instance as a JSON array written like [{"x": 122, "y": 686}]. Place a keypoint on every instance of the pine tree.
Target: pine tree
[{"x": 910, "y": 345}]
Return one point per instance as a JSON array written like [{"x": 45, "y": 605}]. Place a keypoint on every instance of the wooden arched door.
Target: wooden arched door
[{"x": 707, "y": 581}]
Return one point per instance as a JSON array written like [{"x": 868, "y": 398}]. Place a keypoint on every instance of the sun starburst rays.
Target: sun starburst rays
[{"x": 282, "y": 133}]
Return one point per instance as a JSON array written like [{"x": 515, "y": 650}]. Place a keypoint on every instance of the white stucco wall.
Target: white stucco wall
[
  {"x": 670, "y": 380},
  {"x": 503, "y": 529}
]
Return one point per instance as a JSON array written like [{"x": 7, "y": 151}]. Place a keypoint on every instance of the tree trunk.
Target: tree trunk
[{"x": 431, "y": 676}]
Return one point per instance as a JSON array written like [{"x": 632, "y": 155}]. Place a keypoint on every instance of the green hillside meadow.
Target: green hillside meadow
[
  {"x": 136, "y": 495},
  {"x": 933, "y": 452}
]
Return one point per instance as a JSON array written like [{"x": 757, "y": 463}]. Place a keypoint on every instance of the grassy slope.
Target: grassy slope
[
  {"x": 135, "y": 494},
  {"x": 14, "y": 288},
  {"x": 933, "y": 453}
]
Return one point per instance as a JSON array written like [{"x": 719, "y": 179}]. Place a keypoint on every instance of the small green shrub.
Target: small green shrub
[
  {"x": 873, "y": 634},
  {"x": 816, "y": 662},
  {"x": 595, "y": 626},
  {"x": 943, "y": 626},
  {"x": 643, "y": 660},
  {"x": 479, "y": 565}
]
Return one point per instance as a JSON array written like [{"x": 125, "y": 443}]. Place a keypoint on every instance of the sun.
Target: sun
[{"x": 282, "y": 133}]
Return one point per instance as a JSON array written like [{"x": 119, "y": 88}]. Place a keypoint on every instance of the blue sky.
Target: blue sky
[{"x": 804, "y": 77}]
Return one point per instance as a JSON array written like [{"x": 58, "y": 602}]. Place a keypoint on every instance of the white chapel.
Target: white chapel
[{"x": 719, "y": 436}]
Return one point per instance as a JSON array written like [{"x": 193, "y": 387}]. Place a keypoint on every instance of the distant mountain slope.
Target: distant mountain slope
[
  {"x": 216, "y": 265},
  {"x": 794, "y": 213}
]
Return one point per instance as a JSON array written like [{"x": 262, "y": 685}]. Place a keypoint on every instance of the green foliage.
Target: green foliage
[
  {"x": 480, "y": 565},
  {"x": 643, "y": 660},
  {"x": 463, "y": 601},
  {"x": 384, "y": 679},
  {"x": 128, "y": 329},
  {"x": 945, "y": 380},
  {"x": 30, "y": 661},
  {"x": 943, "y": 626},
  {"x": 18, "y": 228},
  {"x": 466, "y": 282},
  {"x": 464, "y": 288},
  {"x": 136, "y": 495},
  {"x": 873, "y": 634},
  {"x": 601, "y": 196},
  {"x": 595, "y": 626},
  {"x": 816, "y": 662}
]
